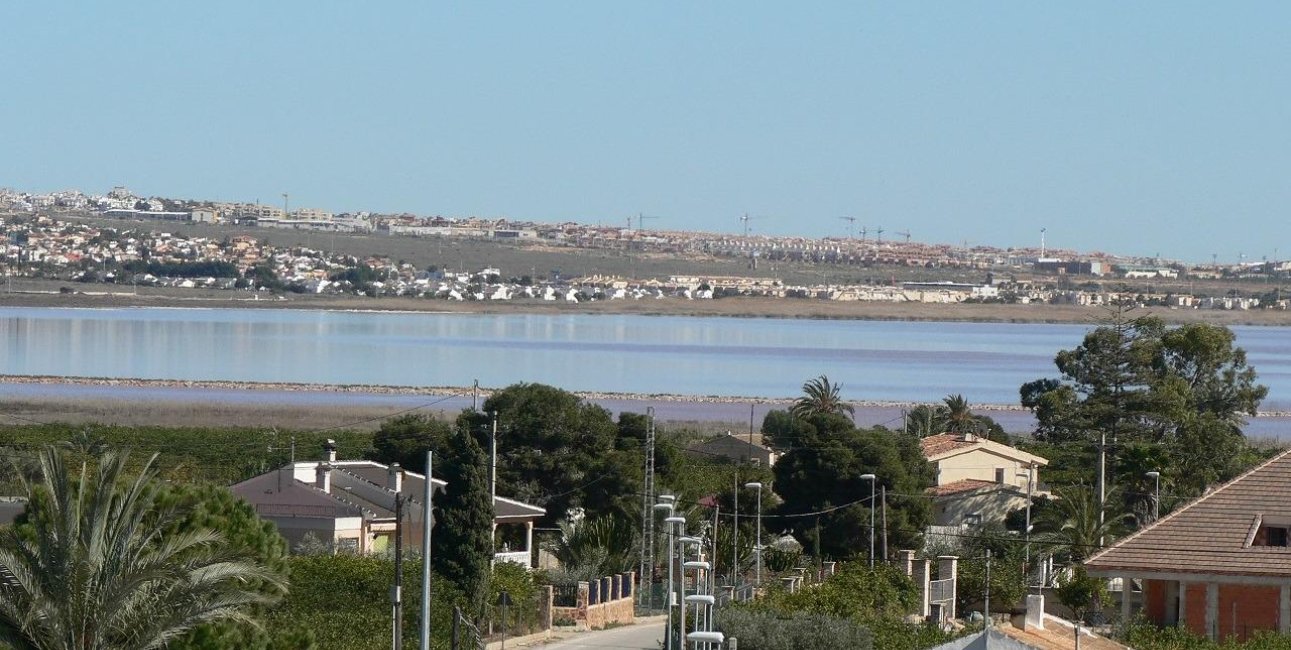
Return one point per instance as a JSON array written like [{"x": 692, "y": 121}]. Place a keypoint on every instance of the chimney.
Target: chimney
[
  {"x": 966, "y": 437},
  {"x": 394, "y": 479},
  {"x": 323, "y": 477},
  {"x": 329, "y": 450}
]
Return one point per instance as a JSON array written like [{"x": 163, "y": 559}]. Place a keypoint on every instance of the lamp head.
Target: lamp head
[
  {"x": 1154, "y": 474},
  {"x": 753, "y": 485},
  {"x": 867, "y": 477}
]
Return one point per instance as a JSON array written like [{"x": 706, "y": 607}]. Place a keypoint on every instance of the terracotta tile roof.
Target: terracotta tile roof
[
  {"x": 963, "y": 485},
  {"x": 950, "y": 444},
  {"x": 942, "y": 443},
  {"x": 1060, "y": 635},
  {"x": 1209, "y": 536}
]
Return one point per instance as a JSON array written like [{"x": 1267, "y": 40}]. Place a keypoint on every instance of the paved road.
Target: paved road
[{"x": 647, "y": 636}]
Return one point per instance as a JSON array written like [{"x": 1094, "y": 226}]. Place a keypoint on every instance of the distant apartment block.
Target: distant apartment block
[
  {"x": 206, "y": 215},
  {"x": 1065, "y": 267},
  {"x": 311, "y": 214}
]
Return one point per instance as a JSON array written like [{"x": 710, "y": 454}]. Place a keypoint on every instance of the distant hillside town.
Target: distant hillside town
[{"x": 41, "y": 242}]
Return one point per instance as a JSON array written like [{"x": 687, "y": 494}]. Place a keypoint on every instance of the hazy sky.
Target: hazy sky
[{"x": 1134, "y": 128}]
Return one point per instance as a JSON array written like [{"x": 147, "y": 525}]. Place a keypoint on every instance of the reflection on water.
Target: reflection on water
[{"x": 768, "y": 358}]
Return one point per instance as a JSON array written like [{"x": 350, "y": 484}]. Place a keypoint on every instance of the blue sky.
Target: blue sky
[{"x": 1133, "y": 128}]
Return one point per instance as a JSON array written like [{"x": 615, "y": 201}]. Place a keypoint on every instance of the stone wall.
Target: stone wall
[{"x": 614, "y": 603}]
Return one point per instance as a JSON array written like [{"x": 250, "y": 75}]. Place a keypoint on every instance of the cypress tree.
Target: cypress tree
[{"x": 464, "y": 521}]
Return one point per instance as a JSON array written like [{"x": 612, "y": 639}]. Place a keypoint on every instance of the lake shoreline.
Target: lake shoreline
[
  {"x": 94, "y": 297},
  {"x": 429, "y": 391},
  {"x": 463, "y": 392}
]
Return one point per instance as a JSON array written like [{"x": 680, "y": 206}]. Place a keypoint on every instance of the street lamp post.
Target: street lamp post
[
  {"x": 703, "y": 602},
  {"x": 871, "y": 478},
  {"x": 1156, "y": 495},
  {"x": 1030, "y": 476},
  {"x": 678, "y": 523},
  {"x": 755, "y": 485},
  {"x": 682, "y": 543},
  {"x": 668, "y": 507}
]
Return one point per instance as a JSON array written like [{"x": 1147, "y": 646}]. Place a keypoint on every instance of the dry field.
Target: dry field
[{"x": 186, "y": 414}]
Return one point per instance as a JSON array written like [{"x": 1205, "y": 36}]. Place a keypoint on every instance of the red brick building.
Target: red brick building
[{"x": 1219, "y": 566}]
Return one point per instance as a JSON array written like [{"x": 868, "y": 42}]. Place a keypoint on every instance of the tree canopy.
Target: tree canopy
[
  {"x": 1185, "y": 389},
  {"x": 559, "y": 452},
  {"x": 406, "y": 438},
  {"x": 823, "y": 471}
]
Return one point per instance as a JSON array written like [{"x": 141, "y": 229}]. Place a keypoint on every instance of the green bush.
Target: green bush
[
  {"x": 874, "y": 600},
  {"x": 343, "y": 601},
  {"x": 519, "y": 584},
  {"x": 1148, "y": 637},
  {"x": 764, "y": 630}
]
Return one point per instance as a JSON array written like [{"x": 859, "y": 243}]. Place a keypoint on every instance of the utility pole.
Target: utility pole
[
  {"x": 1026, "y": 572},
  {"x": 712, "y": 575},
  {"x": 396, "y": 593},
  {"x": 291, "y": 446},
  {"x": 735, "y": 535},
  {"x": 1102, "y": 483},
  {"x": 493, "y": 477},
  {"x": 646, "y": 576},
  {"x": 475, "y": 396},
  {"x": 885, "y": 523},
  {"x": 987, "y": 618},
  {"x": 427, "y": 521}
]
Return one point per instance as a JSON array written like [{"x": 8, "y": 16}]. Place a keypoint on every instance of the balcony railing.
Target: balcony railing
[{"x": 519, "y": 557}]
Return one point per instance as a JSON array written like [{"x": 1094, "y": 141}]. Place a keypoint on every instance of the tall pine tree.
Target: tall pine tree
[{"x": 464, "y": 521}]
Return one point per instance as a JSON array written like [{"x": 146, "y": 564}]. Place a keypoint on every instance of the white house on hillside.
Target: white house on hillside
[{"x": 979, "y": 480}]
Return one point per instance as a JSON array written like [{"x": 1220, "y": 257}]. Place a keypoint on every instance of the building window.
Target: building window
[
  {"x": 1269, "y": 535},
  {"x": 999, "y": 475}
]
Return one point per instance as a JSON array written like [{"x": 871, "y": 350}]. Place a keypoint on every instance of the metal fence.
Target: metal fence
[
  {"x": 564, "y": 595},
  {"x": 941, "y": 591},
  {"x": 465, "y": 635},
  {"x": 651, "y": 598}
]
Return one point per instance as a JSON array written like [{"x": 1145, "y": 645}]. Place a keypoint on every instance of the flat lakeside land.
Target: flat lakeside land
[
  {"x": 46, "y": 294},
  {"x": 140, "y": 402}
]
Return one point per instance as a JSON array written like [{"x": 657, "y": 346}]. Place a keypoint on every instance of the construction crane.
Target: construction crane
[
  {"x": 906, "y": 234},
  {"x": 864, "y": 231},
  {"x": 641, "y": 220},
  {"x": 879, "y": 231},
  {"x": 851, "y": 226}
]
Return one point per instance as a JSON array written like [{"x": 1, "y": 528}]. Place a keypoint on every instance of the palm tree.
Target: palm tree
[
  {"x": 1078, "y": 531},
  {"x": 86, "y": 442},
  {"x": 94, "y": 568},
  {"x": 820, "y": 397},
  {"x": 588, "y": 549},
  {"x": 957, "y": 415}
]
